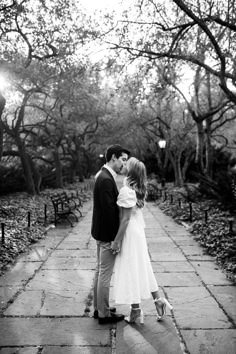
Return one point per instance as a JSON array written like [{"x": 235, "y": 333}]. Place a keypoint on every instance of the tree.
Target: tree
[
  {"x": 159, "y": 34},
  {"x": 35, "y": 51},
  {"x": 14, "y": 131},
  {"x": 167, "y": 29}
]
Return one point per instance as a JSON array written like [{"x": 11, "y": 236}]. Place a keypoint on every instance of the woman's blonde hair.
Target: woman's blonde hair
[{"x": 137, "y": 177}]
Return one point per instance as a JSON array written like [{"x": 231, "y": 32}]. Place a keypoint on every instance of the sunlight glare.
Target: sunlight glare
[{"x": 3, "y": 82}]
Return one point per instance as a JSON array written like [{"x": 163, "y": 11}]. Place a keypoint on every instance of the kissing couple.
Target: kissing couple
[{"x": 118, "y": 228}]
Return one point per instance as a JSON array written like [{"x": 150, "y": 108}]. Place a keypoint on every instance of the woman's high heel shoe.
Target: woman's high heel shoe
[
  {"x": 134, "y": 314},
  {"x": 161, "y": 304}
]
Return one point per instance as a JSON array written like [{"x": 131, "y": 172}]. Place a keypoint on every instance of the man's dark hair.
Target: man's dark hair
[{"x": 117, "y": 150}]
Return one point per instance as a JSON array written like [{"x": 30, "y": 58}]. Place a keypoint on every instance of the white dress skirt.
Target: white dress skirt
[{"x": 133, "y": 278}]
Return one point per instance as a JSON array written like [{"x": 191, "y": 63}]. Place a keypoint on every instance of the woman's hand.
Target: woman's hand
[
  {"x": 140, "y": 203},
  {"x": 115, "y": 247}
]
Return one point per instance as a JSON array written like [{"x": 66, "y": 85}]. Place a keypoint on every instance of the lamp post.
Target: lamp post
[
  {"x": 162, "y": 145},
  {"x": 101, "y": 160}
]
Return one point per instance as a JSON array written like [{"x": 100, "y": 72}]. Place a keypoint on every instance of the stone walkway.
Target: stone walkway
[{"x": 46, "y": 298}]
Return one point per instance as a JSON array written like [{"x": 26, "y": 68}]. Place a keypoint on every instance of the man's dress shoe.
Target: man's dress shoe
[
  {"x": 114, "y": 318},
  {"x": 95, "y": 314}
]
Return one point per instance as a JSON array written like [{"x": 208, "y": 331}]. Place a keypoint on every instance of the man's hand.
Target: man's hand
[{"x": 115, "y": 247}]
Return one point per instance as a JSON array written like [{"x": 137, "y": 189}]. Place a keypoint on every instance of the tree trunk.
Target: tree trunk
[
  {"x": 208, "y": 166},
  {"x": 28, "y": 174},
  {"x": 77, "y": 163},
  {"x": 59, "y": 177},
  {"x": 36, "y": 175},
  {"x": 200, "y": 146},
  {"x": 175, "y": 162},
  {"x": 179, "y": 176},
  {"x": 188, "y": 157},
  {"x": 161, "y": 162},
  {"x": 2, "y": 106},
  {"x": 1, "y": 140}
]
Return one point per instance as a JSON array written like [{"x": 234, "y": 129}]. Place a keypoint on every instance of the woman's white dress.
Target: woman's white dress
[{"x": 133, "y": 277}]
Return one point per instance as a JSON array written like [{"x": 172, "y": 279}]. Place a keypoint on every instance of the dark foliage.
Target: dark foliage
[
  {"x": 18, "y": 235},
  {"x": 219, "y": 185},
  {"x": 219, "y": 189},
  {"x": 210, "y": 226},
  {"x": 152, "y": 191},
  {"x": 11, "y": 179}
]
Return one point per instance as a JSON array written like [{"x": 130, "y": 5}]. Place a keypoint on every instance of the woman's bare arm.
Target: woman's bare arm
[{"x": 125, "y": 214}]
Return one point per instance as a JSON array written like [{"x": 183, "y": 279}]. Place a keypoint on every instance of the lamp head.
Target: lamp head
[{"x": 162, "y": 143}]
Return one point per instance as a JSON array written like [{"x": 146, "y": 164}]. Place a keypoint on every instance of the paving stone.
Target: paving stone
[
  {"x": 80, "y": 244},
  {"x": 76, "y": 350},
  {"x": 169, "y": 267},
  {"x": 195, "y": 308},
  {"x": 7, "y": 293},
  {"x": 154, "y": 238},
  {"x": 27, "y": 303},
  {"x": 158, "y": 215},
  {"x": 161, "y": 243},
  {"x": 58, "y": 280},
  {"x": 71, "y": 245},
  {"x": 53, "y": 331},
  {"x": 19, "y": 273},
  {"x": 172, "y": 279},
  {"x": 74, "y": 253},
  {"x": 202, "y": 258},
  {"x": 70, "y": 263},
  {"x": 61, "y": 231},
  {"x": 48, "y": 242},
  {"x": 65, "y": 303},
  {"x": 15, "y": 350},
  {"x": 186, "y": 241},
  {"x": 161, "y": 248},
  {"x": 80, "y": 241},
  {"x": 154, "y": 233},
  {"x": 81, "y": 232},
  {"x": 215, "y": 341},
  {"x": 93, "y": 246},
  {"x": 175, "y": 234},
  {"x": 150, "y": 221},
  {"x": 37, "y": 254},
  {"x": 210, "y": 273},
  {"x": 61, "y": 303},
  {"x": 173, "y": 228},
  {"x": 165, "y": 255},
  {"x": 151, "y": 338},
  {"x": 226, "y": 296},
  {"x": 192, "y": 250}
]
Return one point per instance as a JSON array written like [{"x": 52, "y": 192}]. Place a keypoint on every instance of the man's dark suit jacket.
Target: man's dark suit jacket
[{"x": 105, "y": 221}]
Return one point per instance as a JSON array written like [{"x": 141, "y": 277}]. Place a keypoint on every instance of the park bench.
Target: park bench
[
  {"x": 82, "y": 195},
  {"x": 75, "y": 200},
  {"x": 65, "y": 206}
]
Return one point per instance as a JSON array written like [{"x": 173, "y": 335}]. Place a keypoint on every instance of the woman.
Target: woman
[{"x": 133, "y": 275}]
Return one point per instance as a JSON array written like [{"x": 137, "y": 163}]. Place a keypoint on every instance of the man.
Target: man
[{"x": 105, "y": 224}]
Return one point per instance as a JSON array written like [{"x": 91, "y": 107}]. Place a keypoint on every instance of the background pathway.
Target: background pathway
[{"x": 46, "y": 297}]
